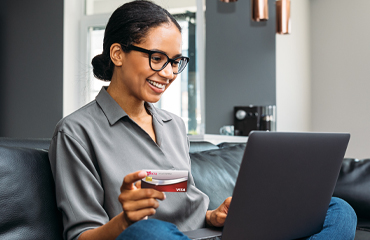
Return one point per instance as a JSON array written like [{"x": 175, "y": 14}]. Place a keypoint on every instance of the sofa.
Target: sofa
[{"x": 27, "y": 195}]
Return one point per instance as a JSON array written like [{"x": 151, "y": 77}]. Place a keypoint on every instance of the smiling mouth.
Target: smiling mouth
[{"x": 157, "y": 85}]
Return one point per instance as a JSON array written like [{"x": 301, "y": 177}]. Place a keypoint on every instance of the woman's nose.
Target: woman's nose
[{"x": 167, "y": 72}]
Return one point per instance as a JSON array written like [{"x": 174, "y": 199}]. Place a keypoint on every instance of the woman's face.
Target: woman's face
[{"x": 136, "y": 75}]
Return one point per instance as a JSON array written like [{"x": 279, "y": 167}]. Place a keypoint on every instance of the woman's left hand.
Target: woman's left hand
[{"x": 217, "y": 217}]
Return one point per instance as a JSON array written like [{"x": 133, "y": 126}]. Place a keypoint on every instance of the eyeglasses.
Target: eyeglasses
[{"x": 159, "y": 60}]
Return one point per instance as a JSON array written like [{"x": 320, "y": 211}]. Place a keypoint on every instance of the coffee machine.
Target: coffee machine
[{"x": 249, "y": 118}]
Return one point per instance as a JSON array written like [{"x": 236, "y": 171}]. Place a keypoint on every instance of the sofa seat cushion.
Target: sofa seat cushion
[
  {"x": 363, "y": 224},
  {"x": 353, "y": 186},
  {"x": 27, "y": 196},
  {"x": 362, "y": 235},
  {"x": 215, "y": 172}
]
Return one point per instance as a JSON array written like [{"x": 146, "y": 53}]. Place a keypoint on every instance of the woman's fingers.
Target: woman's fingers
[
  {"x": 138, "y": 184},
  {"x": 130, "y": 179},
  {"x": 220, "y": 219},
  {"x": 135, "y": 216},
  {"x": 137, "y": 194},
  {"x": 226, "y": 205},
  {"x": 218, "y": 216},
  {"x": 140, "y": 204}
]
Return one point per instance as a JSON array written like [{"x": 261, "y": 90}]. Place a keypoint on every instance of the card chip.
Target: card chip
[{"x": 148, "y": 179}]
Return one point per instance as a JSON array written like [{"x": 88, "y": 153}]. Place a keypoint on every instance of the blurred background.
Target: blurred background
[{"x": 317, "y": 76}]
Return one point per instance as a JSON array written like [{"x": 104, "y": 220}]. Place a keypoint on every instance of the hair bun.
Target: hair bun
[{"x": 102, "y": 68}]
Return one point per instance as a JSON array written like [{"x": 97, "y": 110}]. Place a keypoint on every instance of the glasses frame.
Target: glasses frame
[{"x": 150, "y": 52}]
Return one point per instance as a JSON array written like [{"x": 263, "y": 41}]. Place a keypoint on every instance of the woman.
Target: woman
[
  {"x": 97, "y": 152},
  {"x": 109, "y": 140}
]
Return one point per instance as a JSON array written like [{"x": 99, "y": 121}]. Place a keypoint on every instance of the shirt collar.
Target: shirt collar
[
  {"x": 160, "y": 115},
  {"x": 114, "y": 112}
]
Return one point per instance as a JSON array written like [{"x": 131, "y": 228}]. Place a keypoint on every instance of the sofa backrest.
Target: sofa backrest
[
  {"x": 353, "y": 185},
  {"x": 201, "y": 146},
  {"x": 215, "y": 171},
  {"x": 27, "y": 196},
  {"x": 40, "y": 143}
]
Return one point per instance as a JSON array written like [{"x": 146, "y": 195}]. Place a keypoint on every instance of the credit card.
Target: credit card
[{"x": 166, "y": 180}]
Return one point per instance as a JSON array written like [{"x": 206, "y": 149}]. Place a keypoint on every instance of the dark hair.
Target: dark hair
[{"x": 128, "y": 24}]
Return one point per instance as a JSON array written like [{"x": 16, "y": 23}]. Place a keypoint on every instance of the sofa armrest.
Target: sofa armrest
[{"x": 27, "y": 195}]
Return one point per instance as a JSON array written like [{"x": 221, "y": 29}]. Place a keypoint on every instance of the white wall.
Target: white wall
[
  {"x": 72, "y": 76},
  {"x": 293, "y": 99},
  {"x": 340, "y": 54},
  {"x": 323, "y": 71}
]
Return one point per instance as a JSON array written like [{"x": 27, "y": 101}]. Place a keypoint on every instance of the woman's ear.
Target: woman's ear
[{"x": 116, "y": 54}]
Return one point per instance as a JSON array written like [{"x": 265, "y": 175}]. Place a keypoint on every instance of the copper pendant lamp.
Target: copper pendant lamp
[
  {"x": 283, "y": 25},
  {"x": 260, "y": 11},
  {"x": 226, "y": 1}
]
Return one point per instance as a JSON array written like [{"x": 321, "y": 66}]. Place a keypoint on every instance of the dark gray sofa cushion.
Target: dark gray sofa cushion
[
  {"x": 27, "y": 196},
  {"x": 201, "y": 146},
  {"x": 40, "y": 143},
  {"x": 228, "y": 144},
  {"x": 215, "y": 172},
  {"x": 353, "y": 185}
]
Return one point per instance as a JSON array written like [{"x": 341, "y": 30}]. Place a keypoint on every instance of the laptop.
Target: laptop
[{"x": 284, "y": 186}]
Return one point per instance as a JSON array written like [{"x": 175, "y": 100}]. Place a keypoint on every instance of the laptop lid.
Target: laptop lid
[{"x": 284, "y": 185}]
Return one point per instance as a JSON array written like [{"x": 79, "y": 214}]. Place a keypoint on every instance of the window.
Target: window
[
  {"x": 96, "y": 35},
  {"x": 183, "y": 97}
]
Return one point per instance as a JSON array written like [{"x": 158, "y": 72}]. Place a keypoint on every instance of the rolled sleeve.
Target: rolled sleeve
[{"x": 79, "y": 190}]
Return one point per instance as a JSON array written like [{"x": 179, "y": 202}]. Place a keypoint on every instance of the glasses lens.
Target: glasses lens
[
  {"x": 179, "y": 65},
  {"x": 157, "y": 61}
]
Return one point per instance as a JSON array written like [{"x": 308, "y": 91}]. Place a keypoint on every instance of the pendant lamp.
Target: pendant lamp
[
  {"x": 283, "y": 25},
  {"x": 260, "y": 11},
  {"x": 227, "y": 1}
]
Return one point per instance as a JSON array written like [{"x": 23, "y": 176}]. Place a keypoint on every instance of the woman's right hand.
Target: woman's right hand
[{"x": 138, "y": 203}]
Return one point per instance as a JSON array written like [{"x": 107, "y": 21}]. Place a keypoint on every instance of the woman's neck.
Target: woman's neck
[{"x": 134, "y": 107}]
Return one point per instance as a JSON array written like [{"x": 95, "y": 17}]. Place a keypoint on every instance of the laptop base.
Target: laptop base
[{"x": 204, "y": 234}]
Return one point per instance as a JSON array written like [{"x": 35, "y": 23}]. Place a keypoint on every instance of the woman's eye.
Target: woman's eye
[{"x": 156, "y": 58}]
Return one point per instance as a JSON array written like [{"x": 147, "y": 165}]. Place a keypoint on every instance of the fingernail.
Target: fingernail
[
  {"x": 164, "y": 196},
  {"x": 142, "y": 174}
]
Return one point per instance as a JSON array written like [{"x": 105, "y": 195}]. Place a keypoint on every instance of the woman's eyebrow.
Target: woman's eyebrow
[
  {"x": 177, "y": 55},
  {"x": 158, "y": 50}
]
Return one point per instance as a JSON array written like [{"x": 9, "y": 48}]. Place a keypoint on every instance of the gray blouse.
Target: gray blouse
[{"x": 94, "y": 148}]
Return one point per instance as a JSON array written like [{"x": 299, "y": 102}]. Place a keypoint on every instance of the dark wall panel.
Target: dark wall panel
[
  {"x": 240, "y": 61},
  {"x": 31, "y": 83}
]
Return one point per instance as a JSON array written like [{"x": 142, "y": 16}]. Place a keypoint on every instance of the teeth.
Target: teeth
[{"x": 158, "y": 85}]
